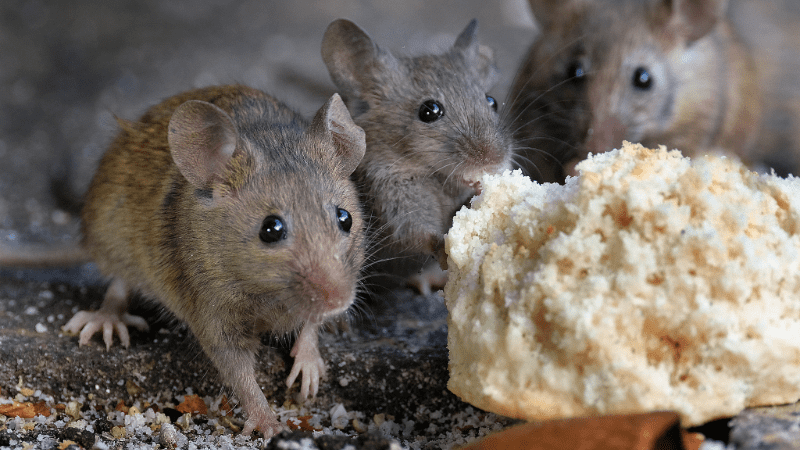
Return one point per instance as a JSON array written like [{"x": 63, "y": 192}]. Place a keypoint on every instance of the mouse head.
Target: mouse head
[
  {"x": 604, "y": 71},
  {"x": 270, "y": 206},
  {"x": 431, "y": 114}
]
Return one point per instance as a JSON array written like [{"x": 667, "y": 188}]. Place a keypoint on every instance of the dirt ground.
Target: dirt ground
[{"x": 66, "y": 70}]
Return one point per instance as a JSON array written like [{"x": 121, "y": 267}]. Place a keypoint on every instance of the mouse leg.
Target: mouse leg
[
  {"x": 431, "y": 278},
  {"x": 307, "y": 360},
  {"x": 433, "y": 274},
  {"x": 236, "y": 362},
  {"x": 112, "y": 316}
]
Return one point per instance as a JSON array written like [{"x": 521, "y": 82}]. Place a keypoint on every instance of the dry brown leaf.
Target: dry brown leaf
[
  {"x": 300, "y": 423},
  {"x": 121, "y": 407},
  {"x": 23, "y": 410},
  {"x": 650, "y": 431},
  {"x": 225, "y": 406},
  {"x": 41, "y": 408},
  {"x": 192, "y": 404}
]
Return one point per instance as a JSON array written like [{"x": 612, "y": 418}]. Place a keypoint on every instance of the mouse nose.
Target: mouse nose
[
  {"x": 605, "y": 134},
  {"x": 326, "y": 292},
  {"x": 490, "y": 155}
]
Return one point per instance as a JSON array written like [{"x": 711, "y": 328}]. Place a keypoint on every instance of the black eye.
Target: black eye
[
  {"x": 345, "y": 219},
  {"x": 430, "y": 111},
  {"x": 492, "y": 102},
  {"x": 272, "y": 230},
  {"x": 576, "y": 71},
  {"x": 642, "y": 79}
]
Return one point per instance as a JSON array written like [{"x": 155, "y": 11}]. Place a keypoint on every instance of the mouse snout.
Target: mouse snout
[
  {"x": 486, "y": 155},
  {"x": 326, "y": 292},
  {"x": 604, "y": 135},
  {"x": 492, "y": 154}
]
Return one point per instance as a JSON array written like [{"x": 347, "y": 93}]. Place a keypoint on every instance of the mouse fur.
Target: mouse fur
[
  {"x": 415, "y": 175},
  {"x": 659, "y": 72},
  {"x": 226, "y": 207}
]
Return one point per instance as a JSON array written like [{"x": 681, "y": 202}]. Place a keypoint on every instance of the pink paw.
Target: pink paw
[
  {"x": 88, "y": 323},
  {"x": 307, "y": 360},
  {"x": 263, "y": 420},
  {"x": 432, "y": 278}
]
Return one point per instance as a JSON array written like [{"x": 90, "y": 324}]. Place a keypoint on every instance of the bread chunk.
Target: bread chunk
[{"x": 648, "y": 282}]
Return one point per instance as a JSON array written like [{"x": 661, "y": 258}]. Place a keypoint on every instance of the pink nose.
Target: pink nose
[
  {"x": 607, "y": 134},
  {"x": 332, "y": 293}
]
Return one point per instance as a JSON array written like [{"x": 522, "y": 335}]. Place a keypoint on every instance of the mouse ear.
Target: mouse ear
[
  {"x": 467, "y": 37},
  {"x": 349, "y": 142},
  {"x": 689, "y": 19},
  {"x": 352, "y": 59},
  {"x": 545, "y": 12},
  {"x": 478, "y": 56},
  {"x": 202, "y": 139}
]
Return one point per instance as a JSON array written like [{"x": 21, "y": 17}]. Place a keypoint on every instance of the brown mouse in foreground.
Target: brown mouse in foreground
[
  {"x": 432, "y": 131},
  {"x": 669, "y": 72},
  {"x": 239, "y": 217}
]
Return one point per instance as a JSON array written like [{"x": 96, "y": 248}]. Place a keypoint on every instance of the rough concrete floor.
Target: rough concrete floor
[{"x": 66, "y": 69}]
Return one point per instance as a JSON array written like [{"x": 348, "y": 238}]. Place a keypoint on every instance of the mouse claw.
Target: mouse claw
[
  {"x": 292, "y": 375},
  {"x": 313, "y": 371},
  {"x": 137, "y": 322},
  {"x": 311, "y": 376},
  {"x": 87, "y": 324},
  {"x": 308, "y": 361},
  {"x": 108, "y": 335}
]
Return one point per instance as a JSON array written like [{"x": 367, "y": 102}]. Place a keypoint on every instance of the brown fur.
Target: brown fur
[
  {"x": 705, "y": 93},
  {"x": 187, "y": 234}
]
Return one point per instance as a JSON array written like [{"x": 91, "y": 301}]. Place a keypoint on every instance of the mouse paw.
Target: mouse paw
[
  {"x": 88, "y": 323},
  {"x": 307, "y": 360},
  {"x": 264, "y": 421},
  {"x": 430, "y": 279}
]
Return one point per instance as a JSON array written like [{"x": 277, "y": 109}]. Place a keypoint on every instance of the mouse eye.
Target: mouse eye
[
  {"x": 345, "y": 219},
  {"x": 576, "y": 71},
  {"x": 642, "y": 79},
  {"x": 430, "y": 111},
  {"x": 492, "y": 102},
  {"x": 272, "y": 230}
]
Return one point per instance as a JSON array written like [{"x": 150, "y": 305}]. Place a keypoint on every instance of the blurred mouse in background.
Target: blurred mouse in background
[{"x": 674, "y": 73}]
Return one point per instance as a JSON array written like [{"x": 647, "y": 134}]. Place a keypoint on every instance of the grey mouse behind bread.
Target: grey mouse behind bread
[
  {"x": 239, "y": 217},
  {"x": 431, "y": 128},
  {"x": 671, "y": 72}
]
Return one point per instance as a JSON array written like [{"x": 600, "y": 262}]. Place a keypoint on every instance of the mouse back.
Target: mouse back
[{"x": 655, "y": 71}]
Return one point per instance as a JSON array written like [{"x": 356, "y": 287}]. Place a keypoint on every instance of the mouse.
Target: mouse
[
  {"x": 658, "y": 72},
  {"x": 432, "y": 131},
  {"x": 238, "y": 216}
]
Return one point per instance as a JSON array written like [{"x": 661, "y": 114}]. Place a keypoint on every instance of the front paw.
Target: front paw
[
  {"x": 88, "y": 323},
  {"x": 308, "y": 361},
  {"x": 264, "y": 421},
  {"x": 431, "y": 278}
]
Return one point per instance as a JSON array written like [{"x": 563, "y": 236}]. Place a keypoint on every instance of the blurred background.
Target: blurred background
[{"x": 68, "y": 68}]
